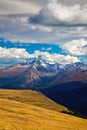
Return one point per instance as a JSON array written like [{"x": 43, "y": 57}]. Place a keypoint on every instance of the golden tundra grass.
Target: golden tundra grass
[
  {"x": 21, "y": 114},
  {"x": 32, "y": 98}
]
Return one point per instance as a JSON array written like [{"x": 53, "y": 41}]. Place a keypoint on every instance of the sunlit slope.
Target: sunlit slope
[
  {"x": 15, "y": 115},
  {"x": 31, "y": 98}
]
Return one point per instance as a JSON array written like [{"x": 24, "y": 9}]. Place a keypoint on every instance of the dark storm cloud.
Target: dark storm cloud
[
  {"x": 57, "y": 14},
  {"x": 42, "y": 20}
]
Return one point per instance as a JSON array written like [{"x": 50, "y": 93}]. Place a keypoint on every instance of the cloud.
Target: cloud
[
  {"x": 57, "y": 14},
  {"x": 76, "y": 47},
  {"x": 16, "y": 28},
  {"x": 56, "y": 58},
  {"x": 15, "y": 55},
  {"x": 18, "y": 6},
  {"x": 71, "y": 32},
  {"x": 46, "y": 49},
  {"x": 41, "y": 28}
]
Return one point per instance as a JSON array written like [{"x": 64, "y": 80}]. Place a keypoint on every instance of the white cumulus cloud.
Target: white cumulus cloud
[
  {"x": 15, "y": 55},
  {"x": 56, "y": 58},
  {"x": 76, "y": 47}
]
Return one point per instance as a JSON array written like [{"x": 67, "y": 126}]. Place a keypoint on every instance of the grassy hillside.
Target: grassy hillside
[
  {"x": 26, "y": 110},
  {"x": 31, "y": 98}
]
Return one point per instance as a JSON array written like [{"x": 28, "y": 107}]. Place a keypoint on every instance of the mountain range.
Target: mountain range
[
  {"x": 40, "y": 73},
  {"x": 65, "y": 84}
]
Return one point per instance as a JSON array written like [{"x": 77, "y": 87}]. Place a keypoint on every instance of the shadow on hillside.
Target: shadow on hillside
[{"x": 74, "y": 114}]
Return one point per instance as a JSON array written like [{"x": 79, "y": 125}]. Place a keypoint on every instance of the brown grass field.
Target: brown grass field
[{"x": 30, "y": 110}]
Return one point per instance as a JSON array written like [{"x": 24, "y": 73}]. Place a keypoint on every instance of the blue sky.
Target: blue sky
[
  {"x": 49, "y": 47},
  {"x": 56, "y": 30}
]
